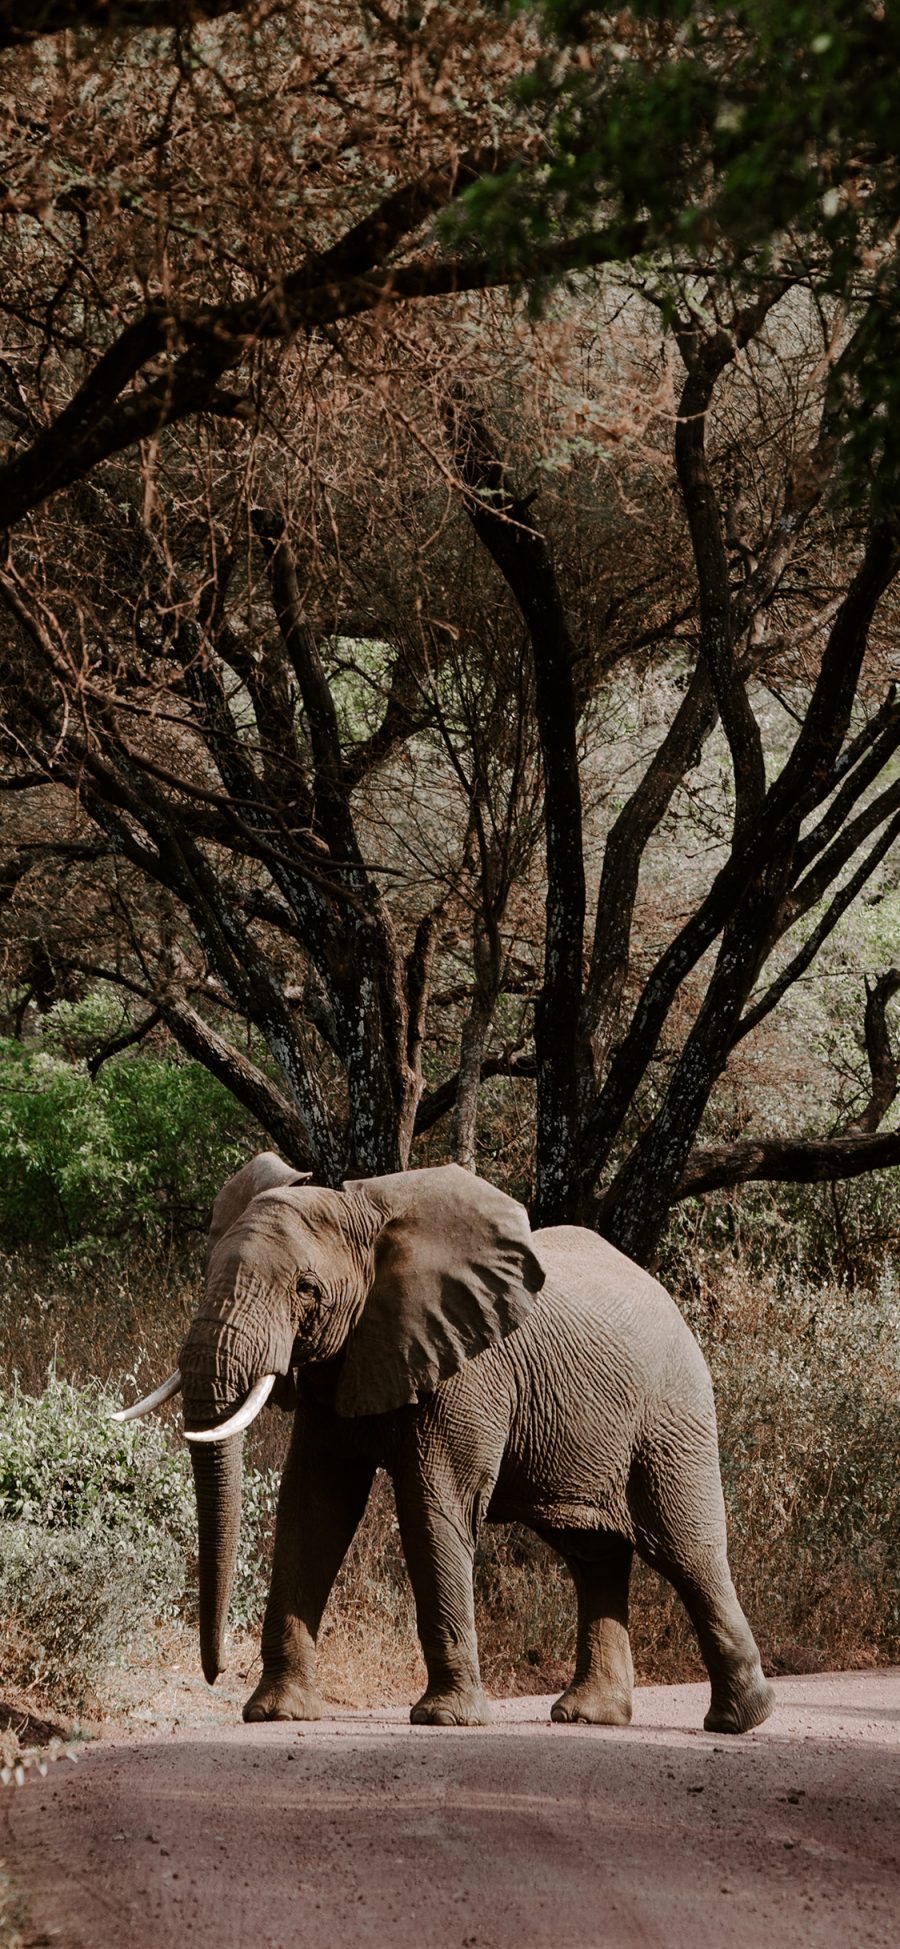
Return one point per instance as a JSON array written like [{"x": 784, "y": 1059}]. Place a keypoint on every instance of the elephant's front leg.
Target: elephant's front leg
[
  {"x": 438, "y": 1531},
  {"x": 321, "y": 1500}
]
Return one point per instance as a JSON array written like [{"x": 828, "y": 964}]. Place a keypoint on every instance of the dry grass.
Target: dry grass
[{"x": 93, "y": 1318}]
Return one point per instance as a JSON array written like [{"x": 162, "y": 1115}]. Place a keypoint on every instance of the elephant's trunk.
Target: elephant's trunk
[{"x": 217, "y": 1480}]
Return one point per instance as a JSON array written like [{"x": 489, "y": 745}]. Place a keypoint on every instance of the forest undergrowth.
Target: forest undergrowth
[{"x": 97, "y": 1570}]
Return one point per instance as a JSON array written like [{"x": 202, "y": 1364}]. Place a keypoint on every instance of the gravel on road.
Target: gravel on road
[{"x": 361, "y": 1832}]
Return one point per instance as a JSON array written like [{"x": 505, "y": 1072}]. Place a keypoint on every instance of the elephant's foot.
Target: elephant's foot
[
  {"x": 589, "y": 1704},
  {"x": 468, "y": 1708},
  {"x": 283, "y": 1698},
  {"x": 744, "y": 1703}
]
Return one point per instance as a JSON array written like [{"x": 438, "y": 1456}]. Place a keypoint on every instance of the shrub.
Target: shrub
[
  {"x": 94, "y": 1528},
  {"x": 140, "y": 1150},
  {"x": 72, "y": 1601},
  {"x": 97, "y": 1537},
  {"x": 847, "y": 1234}
]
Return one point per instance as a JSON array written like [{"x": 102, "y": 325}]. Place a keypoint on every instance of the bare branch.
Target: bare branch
[
  {"x": 99, "y": 422},
  {"x": 786, "y": 1160},
  {"x": 819, "y": 934},
  {"x": 440, "y": 1101},
  {"x": 706, "y": 358},
  {"x": 117, "y": 1043}
]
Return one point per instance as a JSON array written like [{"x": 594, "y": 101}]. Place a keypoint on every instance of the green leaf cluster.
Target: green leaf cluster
[{"x": 139, "y": 1151}]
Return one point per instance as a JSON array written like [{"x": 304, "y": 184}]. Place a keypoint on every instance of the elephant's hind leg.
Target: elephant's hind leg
[
  {"x": 599, "y": 1694},
  {"x": 740, "y": 1694},
  {"x": 680, "y": 1525}
]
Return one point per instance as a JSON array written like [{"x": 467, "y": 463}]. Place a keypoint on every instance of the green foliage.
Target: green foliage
[
  {"x": 65, "y": 1463},
  {"x": 97, "y": 1537},
  {"x": 139, "y": 1150},
  {"x": 359, "y": 673},
  {"x": 259, "y": 1500},
  {"x": 94, "y": 1529},
  {"x": 743, "y": 118}
]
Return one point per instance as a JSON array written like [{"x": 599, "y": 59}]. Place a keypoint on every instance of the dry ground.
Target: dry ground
[{"x": 366, "y": 1832}]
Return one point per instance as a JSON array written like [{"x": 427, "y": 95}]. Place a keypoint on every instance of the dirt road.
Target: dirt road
[{"x": 362, "y": 1832}]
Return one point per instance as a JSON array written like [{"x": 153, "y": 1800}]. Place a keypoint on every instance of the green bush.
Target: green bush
[
  {"x": 259, "y": 1498},
  {"x": 140, "y": 1150},
  {"x": 71, "y": 1601},
  {"x": 97, "y": 1537}
]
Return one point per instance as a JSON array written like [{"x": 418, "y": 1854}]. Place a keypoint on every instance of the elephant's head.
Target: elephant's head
[
  {"x": 398, "y": 1280},
  {"x": 263, "y": 1173}
]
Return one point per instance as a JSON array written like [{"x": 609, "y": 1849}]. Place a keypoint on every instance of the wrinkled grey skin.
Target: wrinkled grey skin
[{"x": 496, "y": 1375}]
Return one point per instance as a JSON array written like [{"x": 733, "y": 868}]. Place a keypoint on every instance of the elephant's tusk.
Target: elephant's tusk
[
  {"x": 247, "y": 1412},
  {"x": 151, "y": 1401}
]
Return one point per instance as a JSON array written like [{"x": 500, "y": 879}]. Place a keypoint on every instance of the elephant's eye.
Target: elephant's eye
[{"x": 306, "y": 1306}]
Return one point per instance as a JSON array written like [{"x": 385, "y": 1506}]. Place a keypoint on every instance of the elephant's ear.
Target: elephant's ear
[
  {"x": 265, "y": 1172},
  {"x": 455, "y": 1272}
]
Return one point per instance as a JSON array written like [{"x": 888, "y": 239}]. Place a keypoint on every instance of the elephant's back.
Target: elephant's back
[
  {"x": 573, "y": 1255},
  {"x": 593, "y": 1370},
  {"x": 593, "y": 1281}
]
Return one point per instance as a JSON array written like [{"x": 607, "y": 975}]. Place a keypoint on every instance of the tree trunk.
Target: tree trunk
[
  {"x": 503, "y": 523},
  {"x": 486, "y": 964}
]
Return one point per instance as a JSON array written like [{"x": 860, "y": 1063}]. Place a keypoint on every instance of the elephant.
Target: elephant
[{"x": 497, "y": 1374}]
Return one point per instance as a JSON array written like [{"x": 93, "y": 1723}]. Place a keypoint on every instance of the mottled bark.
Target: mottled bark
[
  {"x": 249, "y": 1085},
  {"x": 634, "y": 1211},
  {"x": 786, "y": 1160}
]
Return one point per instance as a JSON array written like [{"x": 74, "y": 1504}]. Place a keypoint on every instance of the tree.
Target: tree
[
  {"x": 192, "y": 586},
  {"x": 218, "y": 731},
  {"x": 791, "y": 838}
]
